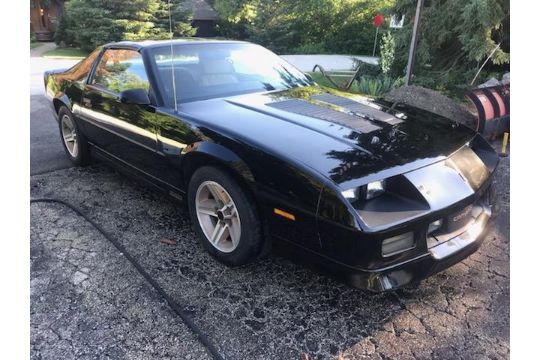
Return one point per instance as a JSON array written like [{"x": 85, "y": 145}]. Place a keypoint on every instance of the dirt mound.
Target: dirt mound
[{"x": 433, "y": 101}]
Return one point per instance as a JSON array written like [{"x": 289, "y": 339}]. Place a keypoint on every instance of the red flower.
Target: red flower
[{"x": 378, "y": 20}]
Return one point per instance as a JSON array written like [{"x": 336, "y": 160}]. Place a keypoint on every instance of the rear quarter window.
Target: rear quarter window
[
  {"x": 120, "y": 70},
  {"x": 80, "y": 71}
]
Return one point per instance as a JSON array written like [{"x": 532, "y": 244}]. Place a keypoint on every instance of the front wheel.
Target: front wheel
[
  {"x": 224, "y": 217},
  {"x": 73, "y": 140}
]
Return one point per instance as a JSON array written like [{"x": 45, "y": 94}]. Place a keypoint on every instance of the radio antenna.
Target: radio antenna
[{"x": 175, "y": 100}]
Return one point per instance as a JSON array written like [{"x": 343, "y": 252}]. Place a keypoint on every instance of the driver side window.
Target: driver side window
[{"x": 120, "y": 70}]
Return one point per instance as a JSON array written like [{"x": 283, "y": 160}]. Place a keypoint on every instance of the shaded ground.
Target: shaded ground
[{"x": 86, "y": 300}]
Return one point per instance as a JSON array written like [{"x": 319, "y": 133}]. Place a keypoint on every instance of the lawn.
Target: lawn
[
  {"x": 321, "y": 80},
  {"x": 34, "y": 45},
  {"x": 66, "y": 53}
]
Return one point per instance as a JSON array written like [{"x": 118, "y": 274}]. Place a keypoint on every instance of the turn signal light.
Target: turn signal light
[{"x": 284, "y": 214}]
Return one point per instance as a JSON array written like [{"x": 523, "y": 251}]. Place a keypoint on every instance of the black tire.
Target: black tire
[
  {"x": 82, "y": 156},
  {"x": 251, "y": 240}
]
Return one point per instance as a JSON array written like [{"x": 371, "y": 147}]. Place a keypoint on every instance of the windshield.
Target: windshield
[{"x": 206, "y": 71}]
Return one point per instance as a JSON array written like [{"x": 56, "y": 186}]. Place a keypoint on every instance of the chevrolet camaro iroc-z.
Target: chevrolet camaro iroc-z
[{"x": 382, "y": 194}]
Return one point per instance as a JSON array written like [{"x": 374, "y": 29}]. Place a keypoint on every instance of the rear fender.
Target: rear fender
[{"x": 62, "y": 100}]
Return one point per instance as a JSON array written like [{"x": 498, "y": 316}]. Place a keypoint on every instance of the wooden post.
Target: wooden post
[
  {"x": 375, "y": 42},
  {"x": 414, "y": 41}
]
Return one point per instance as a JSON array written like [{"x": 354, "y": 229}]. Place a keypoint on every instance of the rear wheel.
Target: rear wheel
[
  {"x": 73, "y": 140},
  {"x": 224, "y": 217}
]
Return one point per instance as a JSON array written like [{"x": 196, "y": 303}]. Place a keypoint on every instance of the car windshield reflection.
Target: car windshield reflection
[{"x": 198, "y": 72}]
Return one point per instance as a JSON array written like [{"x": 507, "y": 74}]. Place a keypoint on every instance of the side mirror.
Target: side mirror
[{"x": 135, "y": 96}]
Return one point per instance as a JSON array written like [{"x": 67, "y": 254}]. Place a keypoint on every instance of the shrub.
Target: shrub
[
  {"x": 62, "y": 36},
  {"x": 374, "y": 86},
  {"x": 366, "y": 69},
  {"x": 310, "y": 49},
  {"x": 388, "y": 46}
]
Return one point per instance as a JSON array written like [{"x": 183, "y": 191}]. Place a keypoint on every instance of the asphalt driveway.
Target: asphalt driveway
[
  {"x": 88, "y": 302},
  {"x": 46, "y": 152}
]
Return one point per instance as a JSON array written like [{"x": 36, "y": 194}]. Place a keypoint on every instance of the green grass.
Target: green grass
[
  {"x": 66, "y": 53},
  {"x": 321, "y": 80},
  {"x": 34, "y": 45}
]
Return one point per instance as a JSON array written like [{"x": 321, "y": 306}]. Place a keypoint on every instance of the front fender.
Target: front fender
[{"x": 208, "y": 152}]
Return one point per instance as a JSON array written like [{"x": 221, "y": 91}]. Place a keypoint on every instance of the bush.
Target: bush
[
  {"x": 374, "y": 86},
  {"x": 388, "y": 46},
  {"x": 310, "y": 49},
  {"x": 62, "y": 36},
  {"x": 366, "y": 69}
]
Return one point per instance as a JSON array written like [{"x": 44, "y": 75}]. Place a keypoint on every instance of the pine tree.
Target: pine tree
[
  {"x": 456, "y": 36},
  {"x": 87, "y": 24},
  {"x": 181, "y": 18},
  {"x": 91, "y": 23}
]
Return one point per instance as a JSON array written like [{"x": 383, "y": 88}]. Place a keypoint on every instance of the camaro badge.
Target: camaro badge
[{"x": 462, "y": 214}]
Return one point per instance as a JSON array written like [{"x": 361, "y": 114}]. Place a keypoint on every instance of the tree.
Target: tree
[
  {"x": 306, "y": 26},
  {"x": 181, "y": 19},
  {"x": 456, "y": 36},
  {"x": 91, "y": 23},
  {"x": 87, "y": 25}
]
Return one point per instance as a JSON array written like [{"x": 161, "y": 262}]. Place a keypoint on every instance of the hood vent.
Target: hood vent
[
  {"x": 306, "y": 108},
  {"x": 359, "y": 109}
]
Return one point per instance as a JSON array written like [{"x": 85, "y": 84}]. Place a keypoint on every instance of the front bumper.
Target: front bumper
[{"x": 440, "y": 256}]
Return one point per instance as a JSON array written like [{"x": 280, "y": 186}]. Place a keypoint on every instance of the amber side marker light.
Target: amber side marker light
[{"x": 284, "y": 214}]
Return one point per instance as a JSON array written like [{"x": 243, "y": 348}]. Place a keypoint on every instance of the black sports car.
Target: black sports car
[{"x": 384, "y": 194}]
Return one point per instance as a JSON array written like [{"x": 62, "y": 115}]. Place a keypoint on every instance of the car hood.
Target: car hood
[{"x": 347, "y": 138}]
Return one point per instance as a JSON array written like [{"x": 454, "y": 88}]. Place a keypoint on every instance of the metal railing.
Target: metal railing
[{"x": 329, "y": 75}]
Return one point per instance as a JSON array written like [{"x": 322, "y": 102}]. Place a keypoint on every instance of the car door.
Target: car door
[{"x": 127, "y": 132}]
